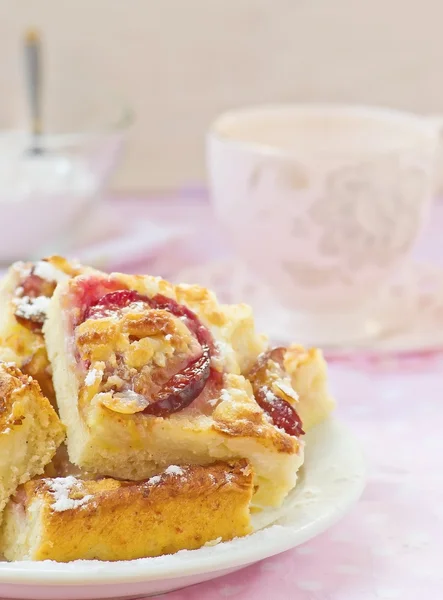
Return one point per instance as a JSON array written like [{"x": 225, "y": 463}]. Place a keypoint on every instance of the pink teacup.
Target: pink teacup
[{"x": 324, "y": 202}]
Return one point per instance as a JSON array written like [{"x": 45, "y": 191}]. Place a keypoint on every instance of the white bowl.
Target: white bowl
[
  {"x": 44, "y": 197},
  {"x": 332, "y": 480}
]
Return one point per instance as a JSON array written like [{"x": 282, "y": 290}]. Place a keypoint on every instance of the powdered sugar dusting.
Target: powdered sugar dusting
[
  {"x": 225, "y": 396},
  {"x": 174, "y": 470},
  {"x": 92, "y": 376},
  {"x": 171, "y": 470},
  {"x": 232, "y": 394},
  {"x": 61, "y": 487},
  {"x": 154, "y": 480},
  {"x": 48, "y": 272},
  {"x": 225, "y": 357},
  {"x": 225, "y": 350},
  {"x": 32, "y": 308},
  {"x": 269, "y": 395},
  {"x": 135, "y": 306}
]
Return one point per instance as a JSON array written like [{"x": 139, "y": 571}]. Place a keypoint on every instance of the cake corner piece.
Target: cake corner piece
[{"x": 30, "y": 430}]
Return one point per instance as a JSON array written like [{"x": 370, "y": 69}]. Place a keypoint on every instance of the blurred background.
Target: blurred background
[{"x": 178, "y": 64}]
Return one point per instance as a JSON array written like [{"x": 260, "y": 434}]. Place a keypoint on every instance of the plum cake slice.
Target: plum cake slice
[{"x": 148, "y": 374}]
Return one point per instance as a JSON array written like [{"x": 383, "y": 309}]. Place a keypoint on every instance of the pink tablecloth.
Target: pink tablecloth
[{"x": 388, "y": 547}]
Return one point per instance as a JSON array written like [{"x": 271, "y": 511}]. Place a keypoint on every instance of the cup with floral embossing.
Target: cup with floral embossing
[{"x": 324, "y": 203}]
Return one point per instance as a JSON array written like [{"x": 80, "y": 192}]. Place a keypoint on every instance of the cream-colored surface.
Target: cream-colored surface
[{"x": 181, "y": 63}]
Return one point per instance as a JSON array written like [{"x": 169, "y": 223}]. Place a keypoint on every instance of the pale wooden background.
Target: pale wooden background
[{"x": 179, "y": 62}]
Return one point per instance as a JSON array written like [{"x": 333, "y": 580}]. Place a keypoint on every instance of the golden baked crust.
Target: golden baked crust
[
  {"x": 23, "y": 291},
  {"x": 183, "y": 508},
  {"x": 107, "y": 366},
  {"x": 30, "y": 430}
]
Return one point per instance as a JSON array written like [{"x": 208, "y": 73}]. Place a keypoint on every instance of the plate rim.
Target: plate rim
[{"x": 94, "y": 572}]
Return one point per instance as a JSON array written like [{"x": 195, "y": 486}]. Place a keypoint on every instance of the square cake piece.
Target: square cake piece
[
  {"x": 67, "y": 518},
  {"x": 25, "y": 291},
  {"x": 30, "y": 430},
  {"x": 148, "y": 374}
]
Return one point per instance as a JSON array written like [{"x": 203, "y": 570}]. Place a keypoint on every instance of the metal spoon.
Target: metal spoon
[{"x": 33, "y": 73}]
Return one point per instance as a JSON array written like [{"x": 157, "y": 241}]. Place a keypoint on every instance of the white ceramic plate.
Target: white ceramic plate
[{"x": 332, "y": 480}]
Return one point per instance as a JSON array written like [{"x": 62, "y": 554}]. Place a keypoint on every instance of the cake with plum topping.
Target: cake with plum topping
[
  {"x": 25, "y": 292},
  {"x": 148, "y": 374}
]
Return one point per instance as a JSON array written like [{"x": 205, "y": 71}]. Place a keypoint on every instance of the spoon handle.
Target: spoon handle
[{"x": 34, "y": 79}]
